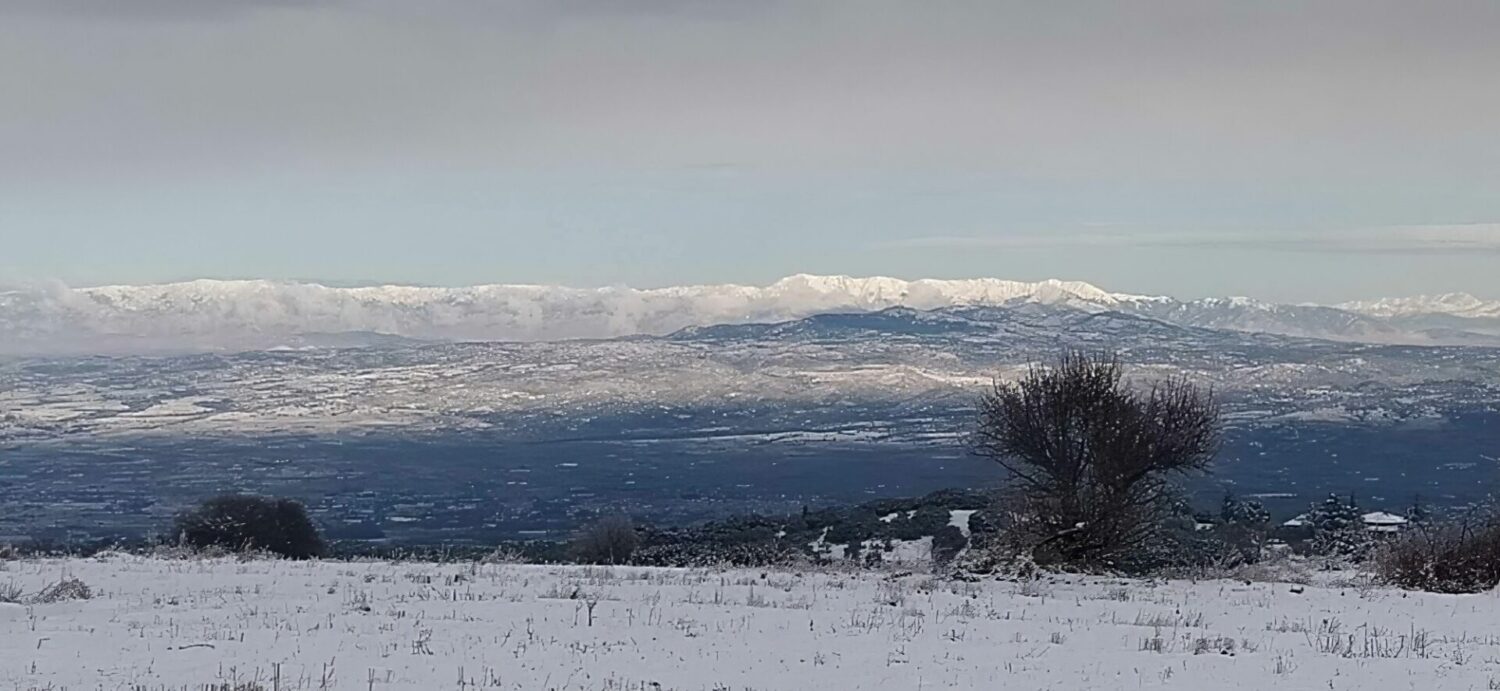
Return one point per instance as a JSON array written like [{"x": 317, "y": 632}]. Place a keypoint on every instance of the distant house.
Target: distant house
[
  {"x": 1379, "y": 522},
  {"x": 1382, "y": 522},
  {"x": 1295, "y": 530}
]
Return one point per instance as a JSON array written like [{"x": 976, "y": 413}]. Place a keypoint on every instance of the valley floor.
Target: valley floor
[{"x": 174, "y": 624}]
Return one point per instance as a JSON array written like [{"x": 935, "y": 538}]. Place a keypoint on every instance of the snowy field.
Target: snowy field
[{"x": 166, "y": 624}]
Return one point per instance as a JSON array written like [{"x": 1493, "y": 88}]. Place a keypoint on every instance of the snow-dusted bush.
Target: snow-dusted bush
[
  {"x": 180, "y": 551},
  {"x": 1462, "y": 556},
  {"x": 504, "y": 554},
  {"x": 248, "y": 523},
  {"x": 64, "y": 590},
  {"x": 1338, "y": 531}
]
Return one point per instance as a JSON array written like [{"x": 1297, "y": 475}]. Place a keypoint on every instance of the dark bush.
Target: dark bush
[
  {"x": 689, "y": 554},
  {"x": 610, "y": 540},
  {"x": 947, "y": 543},
  {"x": 983, "y": 523},
  {"x": 1458, "y": 557},
  {"x": 856, "y": 528},
  {"x": 928, "y": 520},
  {"x": 238, "y": 522}
]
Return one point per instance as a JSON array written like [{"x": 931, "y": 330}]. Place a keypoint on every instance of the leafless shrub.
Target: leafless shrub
[
  {"x": 11, "y": 594},
  {"x": 1220, "y": 645},
  {"x": 1462, "y": 556},
  {"x": 1092, "y": 457},
  {"x": 179, "y": 552},
  {"x": 1175, "y": 620},
  {"x": 1330, "y": 639},
  {"x": 68, "y": 588},
  {"x": 1285, "y": 625},
  {"x": 504, "y": 555},
  {"x": 1272, "y": 571}
]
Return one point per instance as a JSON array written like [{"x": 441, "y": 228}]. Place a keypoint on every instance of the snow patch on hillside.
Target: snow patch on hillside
[{"x": 959, "y": 518}]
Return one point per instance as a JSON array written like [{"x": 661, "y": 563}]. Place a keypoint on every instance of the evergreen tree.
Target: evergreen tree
[
  {"x": 1243, "y": 527},
  {"x": 1338, "y": 529},
  {"x": 1247, "y": 512}
]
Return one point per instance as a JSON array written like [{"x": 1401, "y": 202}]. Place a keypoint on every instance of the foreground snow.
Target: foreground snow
[{"x": 155, "y": 624}]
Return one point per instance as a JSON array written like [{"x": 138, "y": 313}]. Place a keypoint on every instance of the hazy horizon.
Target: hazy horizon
[{"x": 43, "y": 285}]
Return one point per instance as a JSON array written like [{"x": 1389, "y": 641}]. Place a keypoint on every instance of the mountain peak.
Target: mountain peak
[
  {"x": 1454, "y": 304},
  {"x": 933, "y": 292}
]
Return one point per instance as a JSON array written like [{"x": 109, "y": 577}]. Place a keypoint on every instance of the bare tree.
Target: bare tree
[{"x": 1091, "y": 458}]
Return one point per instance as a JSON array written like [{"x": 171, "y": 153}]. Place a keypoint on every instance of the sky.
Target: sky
[{"x": 1295, "y": 151}]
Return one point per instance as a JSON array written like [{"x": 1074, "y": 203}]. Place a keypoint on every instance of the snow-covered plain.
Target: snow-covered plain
[
  {"x": 900, "y": 354},
  {"x": 159, "y": 624}
]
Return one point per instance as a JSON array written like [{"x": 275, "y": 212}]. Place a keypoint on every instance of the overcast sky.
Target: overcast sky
[{"x": 1284, "y": 150}]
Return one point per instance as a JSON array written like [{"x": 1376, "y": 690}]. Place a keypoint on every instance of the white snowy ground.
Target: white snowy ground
[{"x": 156, "y": 624}]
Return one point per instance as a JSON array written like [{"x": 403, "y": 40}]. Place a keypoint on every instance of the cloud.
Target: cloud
[
  {"x": 1426, "y": 239},
  {"x": 149, "y": 10},
  {"x": 1444, "y": 239}
]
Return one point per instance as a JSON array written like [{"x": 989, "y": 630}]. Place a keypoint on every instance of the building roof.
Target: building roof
[{"x": 1383, "y": 518}]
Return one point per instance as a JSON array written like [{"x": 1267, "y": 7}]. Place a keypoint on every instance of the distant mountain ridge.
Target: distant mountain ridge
[
  {"x": 216, "y": 315},
  {"x": 1455, "y": 304}
]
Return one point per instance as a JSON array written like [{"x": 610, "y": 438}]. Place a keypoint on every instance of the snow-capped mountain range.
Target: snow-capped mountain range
[
  {"x": 216, "y": 315},
  {"x": 1453, "y": 304}
]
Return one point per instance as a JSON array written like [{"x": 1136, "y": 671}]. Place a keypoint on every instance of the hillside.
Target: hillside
[
  {"x": 897, "y": 354},
  {"x": 704, "y": 423}
]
